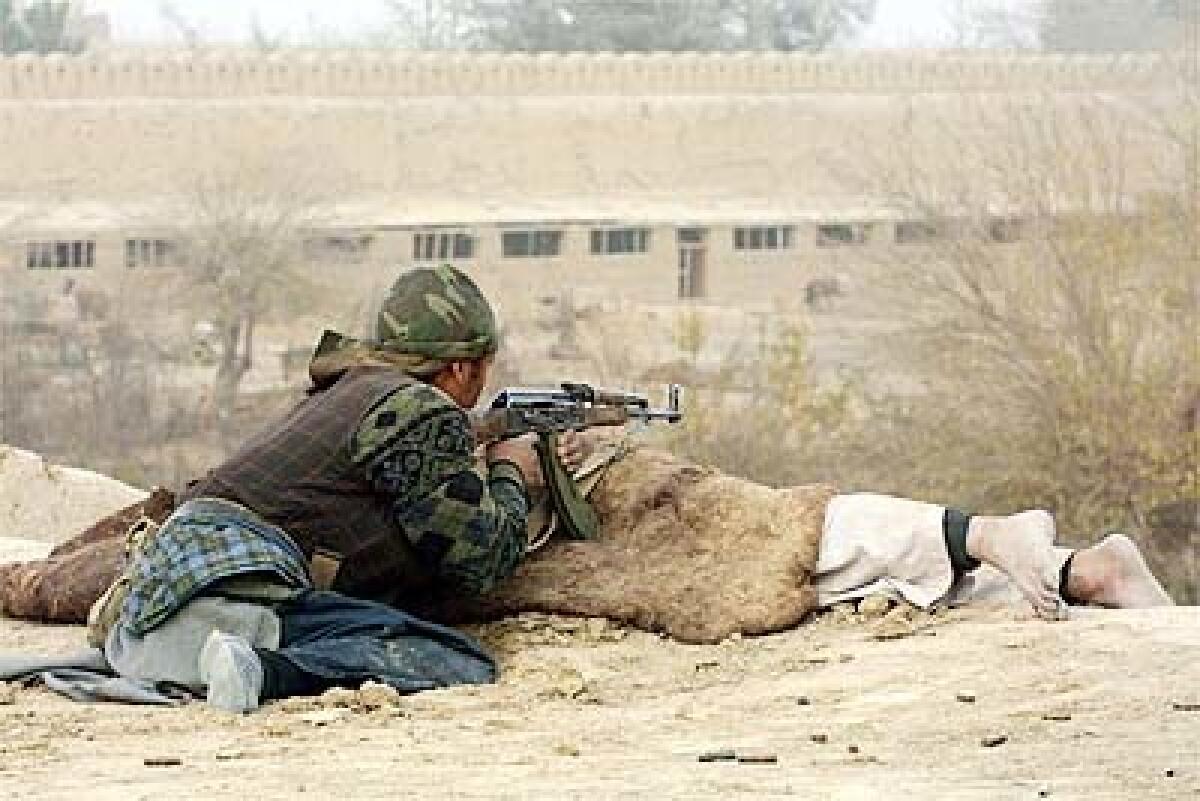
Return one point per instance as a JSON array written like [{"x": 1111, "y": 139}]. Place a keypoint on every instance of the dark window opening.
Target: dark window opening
[
  {"x": 527, "y": 244},
  {"x": 764, "y": 237},
  {"x": 1006, "y": 230},
  {"x": 916, "y": 232},
  {"x": 614, "y": 241},
  {"x": 148, "y": 252},
  {"x": 834, "y": 234},
  {"x": 61, "y": 255},
  {"x": 443, "y": 246}
]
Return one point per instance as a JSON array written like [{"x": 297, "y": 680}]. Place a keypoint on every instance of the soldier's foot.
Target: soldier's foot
[
  {"x": 1022, "y": 547},
  {"x": 1113, "y": 573},
  {"x": 232, "y": 672}
]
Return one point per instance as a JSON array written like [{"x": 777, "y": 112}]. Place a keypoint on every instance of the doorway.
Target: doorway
[{"x": 693, "y": 246}]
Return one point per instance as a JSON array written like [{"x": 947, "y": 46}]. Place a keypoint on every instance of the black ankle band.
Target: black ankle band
[
  {"x": 1064, "y": 578},
  {"x": 954, "y": 529}
]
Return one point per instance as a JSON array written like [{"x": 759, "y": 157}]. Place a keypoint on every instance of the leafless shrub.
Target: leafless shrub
[
  {"x": 240, "y": 251},
  {"x": 1055, "y": 330}
]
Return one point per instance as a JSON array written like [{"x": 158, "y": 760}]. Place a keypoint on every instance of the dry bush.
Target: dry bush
[
  {"x": 1052, "y": 322},
  {"x": 241, "y": 257},
  {"x": 122, "y": 394},
  {"x": 94, "y": 394},
  {"x": 760, "y": 414},
  {"x": 1057, "y": 367}
]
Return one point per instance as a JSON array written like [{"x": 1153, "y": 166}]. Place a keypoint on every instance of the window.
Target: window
[
  {"x": 834, "y": 234},
  {"x": 60, "y": 255},
  {"x": 148, "y": 252},
  {"x": 774, "y": 237},
  {"x": 339, "y": 248},
  {"x": 521, "y": 244},
  {"x": 692, "y": 236},
  {"x": 613, "y": 241},
  {"x": 443, "y": 246},
  {"x": 1005, "y": 230},
  {"x": 917, "y": 232}
]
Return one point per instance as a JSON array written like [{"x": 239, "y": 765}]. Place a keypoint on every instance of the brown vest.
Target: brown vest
[{"x": 297, "y": 473}]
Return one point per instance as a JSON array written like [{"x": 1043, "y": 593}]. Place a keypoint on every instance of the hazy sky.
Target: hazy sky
[{"x": 897, "y": 22}]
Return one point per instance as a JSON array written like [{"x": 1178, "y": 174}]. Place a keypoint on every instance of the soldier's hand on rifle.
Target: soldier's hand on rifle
[
  {"x": 573, "y": 449},
  {"x": 519, "y": 451}
]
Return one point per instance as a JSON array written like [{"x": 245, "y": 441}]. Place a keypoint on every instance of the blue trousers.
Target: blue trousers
[{"x": 330, "y": 640}]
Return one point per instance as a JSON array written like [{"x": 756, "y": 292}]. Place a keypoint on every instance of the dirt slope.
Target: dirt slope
[
  {"x": 1098, "y": 707},
  {"x": 1106, "y": 705}
]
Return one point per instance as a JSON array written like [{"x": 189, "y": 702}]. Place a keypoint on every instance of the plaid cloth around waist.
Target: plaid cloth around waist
[{"x": 204, "y": 541}]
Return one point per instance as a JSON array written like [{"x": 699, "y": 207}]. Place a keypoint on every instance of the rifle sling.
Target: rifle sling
[{"x": 575, "y": 513}]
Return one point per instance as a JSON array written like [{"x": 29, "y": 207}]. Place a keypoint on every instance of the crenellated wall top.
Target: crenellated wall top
[{"x": 365, "y": 73}]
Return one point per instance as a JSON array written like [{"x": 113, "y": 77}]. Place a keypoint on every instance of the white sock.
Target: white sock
[{"x": 231, "y": 671}]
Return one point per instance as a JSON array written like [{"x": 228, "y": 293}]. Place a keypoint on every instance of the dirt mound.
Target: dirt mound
[
  {"x": 40, "y": 501},
  {"x": 684, "y": 550}
]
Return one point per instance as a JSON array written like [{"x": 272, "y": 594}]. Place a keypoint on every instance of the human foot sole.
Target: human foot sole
[{"x": 1114, "y": 573}]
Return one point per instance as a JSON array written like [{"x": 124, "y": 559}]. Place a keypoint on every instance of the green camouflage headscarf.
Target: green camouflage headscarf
[
  {"x": 437, "y": 313},
  {"x": 429, "y": 318}
]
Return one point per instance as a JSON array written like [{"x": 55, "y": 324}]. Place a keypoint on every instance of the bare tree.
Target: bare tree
[
  {"x": 263, "y": 39},
  {"x": 241, "y": 236},
  {"x": 80, "y": 382},
  {"x": 620, "y": 25},
  {"x": 43, "y": 26},
  {"x": 995, "y": 24},
  {"x": 432, "y": 24},
  {"x": 1113, "y": 26},
  {"x": 188, "y": 31},
  {"x": 811, "y": 25},
  {"x": 629, "y": 25},
  {"x": 1051, "y": 314},
  {"x": 1071, "y": 26}
]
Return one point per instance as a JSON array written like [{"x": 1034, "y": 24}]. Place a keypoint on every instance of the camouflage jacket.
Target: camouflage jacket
[
  {"x": 378, "y": 469},
  {"x": 416, "y": 449}
]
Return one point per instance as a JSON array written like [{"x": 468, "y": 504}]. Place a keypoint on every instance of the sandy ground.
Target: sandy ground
[
  {"x": 1103, "y": 706},
  {"x": 1106, "y": 706}
]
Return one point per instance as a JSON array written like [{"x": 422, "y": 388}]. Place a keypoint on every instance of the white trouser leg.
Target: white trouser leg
[
  {"x": 896, "y": 546},
  {"x": 171, "y": 652},
  {"x": 883, "y": 544}
]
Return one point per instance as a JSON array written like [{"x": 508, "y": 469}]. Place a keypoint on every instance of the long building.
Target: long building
[{"x": 724, "y": 179}]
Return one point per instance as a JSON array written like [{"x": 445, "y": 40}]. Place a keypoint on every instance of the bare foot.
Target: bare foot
[
  {"x": 1022, "y": 547},
  {"x": 1113, "y": 573}
]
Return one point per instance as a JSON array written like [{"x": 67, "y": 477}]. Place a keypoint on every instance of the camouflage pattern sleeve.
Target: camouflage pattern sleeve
[{"x": 468, "y": 525}]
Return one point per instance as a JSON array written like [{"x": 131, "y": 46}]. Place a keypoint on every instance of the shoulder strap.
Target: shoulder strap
[{"x": 575, "y": 515}]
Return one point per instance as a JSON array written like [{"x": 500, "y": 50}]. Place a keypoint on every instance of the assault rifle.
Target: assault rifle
[{"x": 550, "y": 412}]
